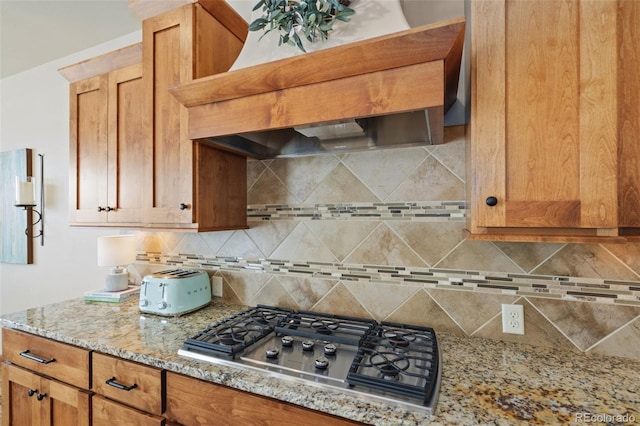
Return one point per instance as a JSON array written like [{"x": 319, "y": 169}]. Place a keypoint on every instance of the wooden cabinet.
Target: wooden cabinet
[
  {"x": 106, "y": 150},
  {"x": 188, "y": 184},
  {"x": 195, "y": 402},
  {"x": 555, "y": 120},
  {"x": 43, "y": 382},
  {"x": 131, "y": 161}
]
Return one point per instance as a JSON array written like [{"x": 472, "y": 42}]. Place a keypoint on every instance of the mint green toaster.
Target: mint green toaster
[{"x": 174, "y": 292}]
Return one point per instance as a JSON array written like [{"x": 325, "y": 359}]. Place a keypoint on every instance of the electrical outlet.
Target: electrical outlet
[
  {"x": 512, "y": 319},
  {"x": 216, "y": 286}
]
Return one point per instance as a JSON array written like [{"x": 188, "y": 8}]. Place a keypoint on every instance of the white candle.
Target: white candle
[{"x": 25, "y": 194}]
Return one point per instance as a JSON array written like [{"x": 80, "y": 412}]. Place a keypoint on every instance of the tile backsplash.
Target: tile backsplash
[{"x": 379, "y": 234}]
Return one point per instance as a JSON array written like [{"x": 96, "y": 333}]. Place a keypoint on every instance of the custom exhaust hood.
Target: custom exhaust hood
[{"x": 381, "y": 92}]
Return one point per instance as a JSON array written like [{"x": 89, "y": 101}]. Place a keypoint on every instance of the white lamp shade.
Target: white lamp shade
[{"x": 116, "y": 250}]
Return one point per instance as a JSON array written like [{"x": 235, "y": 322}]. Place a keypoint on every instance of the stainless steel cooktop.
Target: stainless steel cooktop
[{"x": 396, "y": 363}]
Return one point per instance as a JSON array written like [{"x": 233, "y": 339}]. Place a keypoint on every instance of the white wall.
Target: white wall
[{"x": 34, "y": 113}]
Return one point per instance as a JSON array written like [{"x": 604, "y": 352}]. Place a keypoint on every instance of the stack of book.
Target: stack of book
[{"x": 112, "y": 296}]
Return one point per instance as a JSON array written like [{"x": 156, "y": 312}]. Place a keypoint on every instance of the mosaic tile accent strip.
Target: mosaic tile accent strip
[
  {"x": 427, "y": 211},
  {"x": 554, "y": 287}
]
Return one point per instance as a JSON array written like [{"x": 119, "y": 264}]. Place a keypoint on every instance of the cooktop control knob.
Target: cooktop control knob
[
  {"x": 272, "y": 353},
  {"x": 162, "y": 305},
  {"x": 287, "y": 341},
  {"x": 330, "y": 349},
  {"x": 322, "y": 363},
  {"x": 308, "y": 345}
]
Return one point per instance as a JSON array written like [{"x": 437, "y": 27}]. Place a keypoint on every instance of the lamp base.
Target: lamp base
[{"x": 117, "y": 281}]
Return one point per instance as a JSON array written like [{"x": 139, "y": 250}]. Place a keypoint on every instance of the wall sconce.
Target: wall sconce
[
  {"x": 116, "y": 251},
  {"x": 26, "y": 199}
]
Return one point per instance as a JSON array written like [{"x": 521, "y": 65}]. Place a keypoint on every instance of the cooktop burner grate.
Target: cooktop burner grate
[
  {"x": 397, "y": 358},
  {"x": 234, "y": 334},
  {"x": 331, "y": 328}
]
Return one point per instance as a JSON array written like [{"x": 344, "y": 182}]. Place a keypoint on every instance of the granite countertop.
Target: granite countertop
[{"x": 483, "y": 381}]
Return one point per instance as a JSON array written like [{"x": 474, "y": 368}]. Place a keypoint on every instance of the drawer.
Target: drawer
[
  {"x": 63, "y": 362},
  {"x": 195, "y": 402},
  {"x": 109, "y": 413},
  {"x": 137, "y": 385}
]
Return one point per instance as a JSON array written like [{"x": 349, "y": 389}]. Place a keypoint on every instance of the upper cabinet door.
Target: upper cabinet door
[
  {"x": 126, "y": 145},
  {"x": 544, "y": 127},
  {"x": 629, "y": 116},
  {"x": 187, "y": 184},
  {"x": 88, "y": 150},
  {"x": 167, "y": 57}
]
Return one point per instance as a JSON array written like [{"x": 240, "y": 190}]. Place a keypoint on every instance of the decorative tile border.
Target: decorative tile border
[
  {"x": 432, "y": 211},
  {"x": 554, "y": 287}
]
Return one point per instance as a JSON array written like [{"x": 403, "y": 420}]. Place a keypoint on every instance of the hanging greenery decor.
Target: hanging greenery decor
[{"x": 295, "y": 19}]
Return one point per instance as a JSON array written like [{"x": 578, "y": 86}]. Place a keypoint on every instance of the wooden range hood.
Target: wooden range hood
[{"x": 413, "y": 72}]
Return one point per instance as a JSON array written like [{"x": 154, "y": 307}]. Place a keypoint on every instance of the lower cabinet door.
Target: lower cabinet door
[
  {"x": 30, "y": 399},
  {"x": 19, "y": 390},
  {"x": 109, "y": 413}
]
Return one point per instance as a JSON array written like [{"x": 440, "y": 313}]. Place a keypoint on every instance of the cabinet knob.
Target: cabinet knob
[
  {"x": 184, "y": 206},
  {"x": 41, "y": 396},
  {"x": 101, "y": 209},
  {"x": 109, "y": 209},
  {"x": 491, "y": 201},
  {"x": 32, "y": 392}
]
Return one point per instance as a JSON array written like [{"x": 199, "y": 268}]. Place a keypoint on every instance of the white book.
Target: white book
[{"x": 112, "y": 296}]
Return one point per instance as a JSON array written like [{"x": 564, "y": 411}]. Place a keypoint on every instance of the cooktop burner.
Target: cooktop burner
[
  {"x": 236, "y": 333},
  {"x": 334, "y": 328},
  {"x": 396, "y": 362},
  {"x": 399, "y": 358}
]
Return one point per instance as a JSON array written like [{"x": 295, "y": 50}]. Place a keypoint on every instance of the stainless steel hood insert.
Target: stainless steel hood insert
[{"x": 395, "y": 88}]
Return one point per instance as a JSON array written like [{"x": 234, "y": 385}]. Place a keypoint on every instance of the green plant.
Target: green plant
[{"x": 292, "y": 18}]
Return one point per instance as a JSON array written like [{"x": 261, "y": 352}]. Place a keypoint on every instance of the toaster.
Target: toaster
[{"x": 174, "y": 292}]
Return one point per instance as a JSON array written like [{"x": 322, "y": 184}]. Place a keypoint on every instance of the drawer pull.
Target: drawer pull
[
  {"x": 32, "y": 392},
  {"x": 112, "y": 382},
  {"x": 32, "y": 357},
  {"x": 41, "y": 396}
]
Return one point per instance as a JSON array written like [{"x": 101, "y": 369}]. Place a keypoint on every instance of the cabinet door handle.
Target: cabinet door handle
[
  {"x": 32, "y": 357},
  {"x": 101, "y": 209},
  {"x": 41, "y": 396},
  {"x": 112, "y": 382},
  {"x": 184, "y": 206},
  {"x": 32, "y": 392},
  {"x": 491, "y": 201}
]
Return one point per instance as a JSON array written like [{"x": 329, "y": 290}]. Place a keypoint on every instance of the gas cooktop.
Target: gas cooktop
[{"x": 397, "y": 363}]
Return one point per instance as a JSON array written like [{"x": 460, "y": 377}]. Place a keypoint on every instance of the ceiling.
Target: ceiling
[{"x": 34, "y": 32}]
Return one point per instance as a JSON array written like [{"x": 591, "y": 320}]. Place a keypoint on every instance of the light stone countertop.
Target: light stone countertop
[{"x": 483, "y": 381}]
